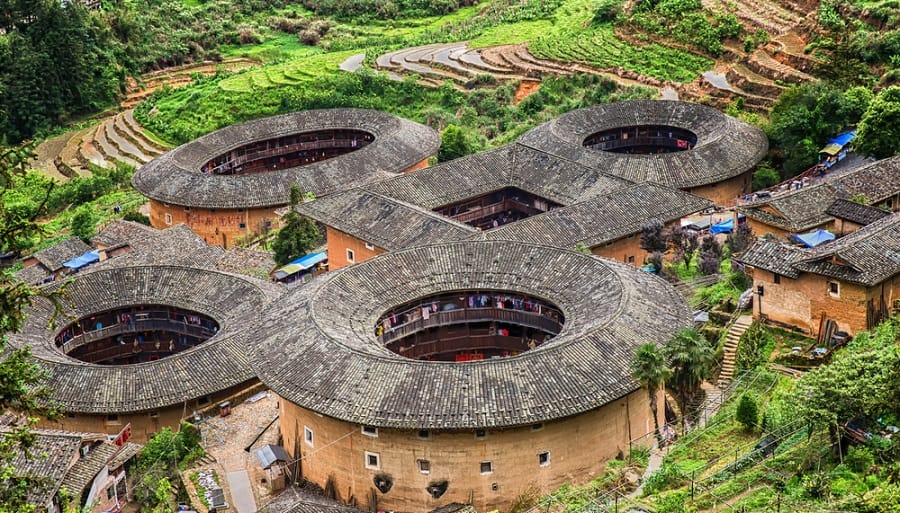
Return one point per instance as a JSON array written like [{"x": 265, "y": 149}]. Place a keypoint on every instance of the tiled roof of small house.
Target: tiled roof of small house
[
  {"x": 773, "y": 256},
  {"x": 512, "y": 165},
  {"x": 175, "y": 245},
  {"x": 176, "y": 176},
  {"x": 121, "y": 231},
  {"x": 876, "y": 182},
  {"x": 855, "y": 212},
  {"x": 317, "y": 347},
  {"x": 797, "y": 211},
  {"x": 210, "y": 367},
  {"x": 53, "y": 257},
  {"x": 726, "y": 147},
  {"x": 128, "y": 451},
  {"x": 385, "y": 222},
  {"x": 33, "y": 274},
  {"x": 86, "y": 468},
  {"x": 48, "y": 459},
  {"x": 603, "y": 219},
  {"x": 293, "y": 501},
  {"x": 867, "y": 256}
]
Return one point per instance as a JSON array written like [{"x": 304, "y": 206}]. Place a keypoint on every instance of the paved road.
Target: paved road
[{"x": 241, "y": 494}]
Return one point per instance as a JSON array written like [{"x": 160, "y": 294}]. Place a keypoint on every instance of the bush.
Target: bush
[
  {"x": 608, "y": 10},
  {"x": 859, "y": 459},
  {"x": 747, "y": 412},
  {"x": 137, "y": 217},
  {"x": 309, "y": 37}
]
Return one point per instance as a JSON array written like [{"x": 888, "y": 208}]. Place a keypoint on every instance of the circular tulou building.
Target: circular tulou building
[
  {"x": 144, "y": 346},
  {"x": 462, "y": 371},
  {"x": 228, "y": 184},
  {"x": 682, "y": 145}
]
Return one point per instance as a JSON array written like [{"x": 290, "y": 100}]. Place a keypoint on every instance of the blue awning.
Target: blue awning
[
  {"x": 723, "y": 227},
  {"x": 301, "y": 264},
  {"x": 81, "y": 261},
  {"x": 843, "y": 139},
  {"x": 813, "y": 239}
]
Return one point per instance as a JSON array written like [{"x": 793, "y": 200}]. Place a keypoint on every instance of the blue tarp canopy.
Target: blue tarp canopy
[
  {"x": 843, "y": 139},
  {"x": 813, "y": 239},
  {"x": 301, "y": 264},
  {"x": 80, "y": 261},
  {"x": 723, "y": 227}
]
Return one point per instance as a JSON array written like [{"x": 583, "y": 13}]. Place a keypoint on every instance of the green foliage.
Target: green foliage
[
  {"x": 669, "y": 476},
  {"x": 83, "y": 224},
  {"x": 297, "y": 237},
  {"x": 753, "y": 348},
  {"x": 691, "y": 359},
  {"x": 686, "y": 21},
  {"x": 137, "y": 217},
  {"x": 879, "y": 129},
  {"x": 765, "y": 176},
  {"x": 747, "y": 412},
  {"x": 457, "y": 142},
  {"x": 672, "y": 502},
  {"x": 862, "y": 381},
  {"x": 649, "y": 368},
  {"x": 729, "y": 288},
  {"x": 859, "y": 459},
  {"x": 608, "y": 11}
]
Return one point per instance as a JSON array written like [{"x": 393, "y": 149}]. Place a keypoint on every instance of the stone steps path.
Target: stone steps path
[{"x": 732, "y": 339}]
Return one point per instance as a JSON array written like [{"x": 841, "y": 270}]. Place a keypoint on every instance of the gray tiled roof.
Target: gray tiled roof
[
  {"x": 53, "y": 257},
  {"x": 726, "y": 147},
  {"x": 48, "y": 458},
  {"x": 176, "y": 245},
  {"x": 208, "y": 368},
  {"x": 317, "y": 346},
  {"x": 121, "y": 231},
  {"x": 176, "y": 178},
  {"x": 33, "y": 274},
  {"x": 512, "y": 165},
  {"x": 604, "y": 218},
  {"x": 293, "y": 501},
  {"x": 126, "y": 452},
  {"x": 86, "y": 469},
  {"x": 807, "y": 208},
  {"x": 799, "y": 210},
  {"x": 867, "y": 256},
  {"x": 388, "y": 223},
  {"x": 855, "y": 212},
  {"x": 871, "y": 254}
]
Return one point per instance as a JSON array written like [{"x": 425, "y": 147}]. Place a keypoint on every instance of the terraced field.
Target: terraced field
[{"x": 288, "y": 73}]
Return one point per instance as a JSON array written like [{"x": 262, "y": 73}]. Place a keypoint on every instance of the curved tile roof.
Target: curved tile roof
[
  {"x": 175, "y": 177},
  {"x": 317, "y": 346},
  {"x": 726, "y": 147},
  {"x": 219, "y": 363}
]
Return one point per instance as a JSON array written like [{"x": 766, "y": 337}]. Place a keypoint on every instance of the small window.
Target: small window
[
  {"x": 351, "y": 256},
  {"x": 834, "y": 288},
  {"x": 630, "y": 259},
  {"x": 370, "y": 431},
  {"x": 154, "y": 414},
  {"x": 537, "y": 427},
  {"x": 777, "y": 279},
  {"x": 168, "y": 218},
  {"x": 424, "y": 434},
  {"x": 480, "y": 433},
  {"x": 110, "y": 492},
  {"x": 243, "y": 226},
  {"x": 203, "y": 400},
  {"x": 309, "y": 437},
  {"x": 70, "y": 415},
  {"x": 112, "y": 418},
  {"x": 370, "y": 246},
  {"x": 212, "y": 211},
  {"x": 373, "y": 462},
  {"x": 487, "y": 467},
  {"x": 544, "y": 458},
  {"x": 424, "y": 466},
  {"x": 240, "y": 211}
]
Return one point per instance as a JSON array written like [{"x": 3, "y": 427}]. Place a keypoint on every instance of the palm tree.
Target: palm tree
[
  {"x": 650, "y": 370},
  {"x": 691, "y": 359}
]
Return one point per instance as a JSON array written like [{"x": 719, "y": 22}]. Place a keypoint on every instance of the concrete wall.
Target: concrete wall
[
  {"x": 144, "y": 424},
  {"x": 727, "y": 191},
  {"x": 218, "y": 227},
  {"x": 579, "y": 448},
  {"x": 338, "y": 244}
]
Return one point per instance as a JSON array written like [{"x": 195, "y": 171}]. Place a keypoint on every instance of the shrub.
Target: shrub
[
  {"x": 859, "y": 459},
  {"x": 310, "y": 37},
  {"x": 747, "y": 412}
]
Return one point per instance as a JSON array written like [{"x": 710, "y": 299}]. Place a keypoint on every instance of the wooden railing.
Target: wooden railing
[
  {"x": 666, "y": 142},
  {"x": 288, "y": 148},
  {"x": 137, "y": 325},
  {"x": 496, "y": 208},
  {"x": 463, "y": 344},
  {"x": 126, "y": 350},
  {"x": 466, "y": 315}
]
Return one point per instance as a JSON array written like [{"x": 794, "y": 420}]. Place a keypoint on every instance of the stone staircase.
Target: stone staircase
[{"x": 732, "y": 339}]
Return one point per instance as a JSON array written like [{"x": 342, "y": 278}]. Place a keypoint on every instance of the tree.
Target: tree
[
  {"x": 652, "y": 238},
  {"x": 299, "y": 234},
  {"x": 747, "y": 413},
  {"x": 650, "y": 370},
  {"x": 83, "y": 223},
  {"x": 710, "y": 255},
  {"x": 456, "y": 142},
  {"x": 137, "y": 217},
  {"x": 691, "y": 358},
  {"x": 20, "y": 378},
  {"x": 685, "y": 243},
  {"x": 879, "y": 129},
  {"x": 739, "y": 239}
]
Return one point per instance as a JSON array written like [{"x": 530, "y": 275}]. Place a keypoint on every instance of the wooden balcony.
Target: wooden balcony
[{"x": 534, "y": 320}]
